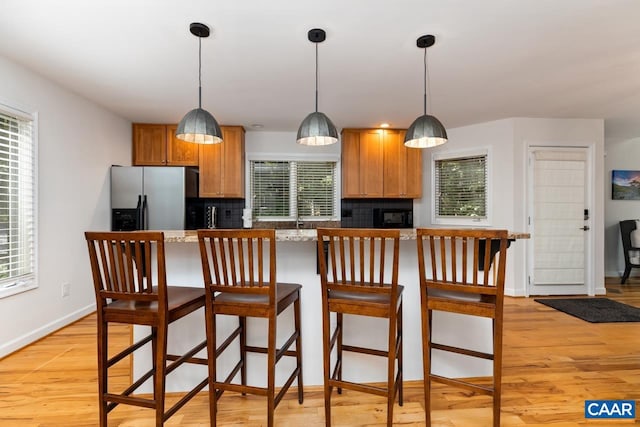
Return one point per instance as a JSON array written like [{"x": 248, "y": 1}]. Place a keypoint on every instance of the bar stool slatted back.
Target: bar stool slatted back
[
  {"x": 129, "y": 277},
  {"x": 239, "y": 269},
  {"x": 360, "y": 277},
  {"x": 454, "y": 268}
]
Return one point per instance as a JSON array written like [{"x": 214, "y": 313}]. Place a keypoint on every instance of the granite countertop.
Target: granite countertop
[{"x": 295, "y": 235}]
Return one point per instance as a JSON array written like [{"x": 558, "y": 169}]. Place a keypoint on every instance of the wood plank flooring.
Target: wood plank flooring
[{"x": 552, "y": 363}]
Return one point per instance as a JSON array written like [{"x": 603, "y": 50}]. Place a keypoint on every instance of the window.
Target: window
[
  {"x": 287, "y": 190},
  {"x": 17, "y": 202},
  {"x": 461, "y": 188}
]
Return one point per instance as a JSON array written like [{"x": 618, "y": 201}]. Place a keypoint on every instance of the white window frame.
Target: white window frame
[
  {"x": 20, "y": 286},
  {"x": 274, "y": 157},
  {"x": 451, "y": 155}
]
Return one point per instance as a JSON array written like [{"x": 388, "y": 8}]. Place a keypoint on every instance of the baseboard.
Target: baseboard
[
  {"x": 23, "y": 341},
  {"x": 512, "y": 292}
]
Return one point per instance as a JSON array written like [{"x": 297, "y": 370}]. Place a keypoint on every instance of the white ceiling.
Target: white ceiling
[{"x": 492, "y": 59}]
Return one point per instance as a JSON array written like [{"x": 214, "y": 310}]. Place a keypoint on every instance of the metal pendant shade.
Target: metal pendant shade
[
  {"x": 317, "y": 129},
  {"x": 426, "y": 131},
  {"x": 199, "y": 125}
]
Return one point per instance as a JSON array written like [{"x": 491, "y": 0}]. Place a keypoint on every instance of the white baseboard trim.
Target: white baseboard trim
[
  {"x": 45, "y": 330},
  {"x": 512, "y": 292}
]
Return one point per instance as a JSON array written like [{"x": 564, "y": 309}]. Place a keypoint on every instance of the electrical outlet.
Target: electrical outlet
[{"x": 66, "y": 289}]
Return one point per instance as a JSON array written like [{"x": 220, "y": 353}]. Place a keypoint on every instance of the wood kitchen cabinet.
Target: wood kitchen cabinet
[
  {"x": 402, "y": 167},
  {"x": 222, "y": 165},
  {"x": 157, "y": 145},
  {"x": 362, "y": 158},
  {"x": 376, "y": 164}
]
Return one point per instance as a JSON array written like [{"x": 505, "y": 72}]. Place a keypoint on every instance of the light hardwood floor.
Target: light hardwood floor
[{"x": 552, "y": 363}]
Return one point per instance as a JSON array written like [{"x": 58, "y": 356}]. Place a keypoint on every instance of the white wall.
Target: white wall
[
  {"x": 284, "y": 143},
  {"x": 77, "y": 142},
  {"x": 508, "y": 141},
  {"x": 498, "y": 138},
  {"x": 567, "y": 132},
  {"x": 620, "y": 155}
]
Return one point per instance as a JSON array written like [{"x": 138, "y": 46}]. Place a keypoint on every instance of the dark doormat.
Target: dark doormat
[{"x": 594, "y": 310}]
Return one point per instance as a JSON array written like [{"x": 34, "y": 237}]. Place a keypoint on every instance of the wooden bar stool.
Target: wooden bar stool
[
  {"x": 455, "y": 277},
  {"x": 130, "y": 290},
  {"x": 360, "y": 277},
  {"x": 239, "y": 268}
]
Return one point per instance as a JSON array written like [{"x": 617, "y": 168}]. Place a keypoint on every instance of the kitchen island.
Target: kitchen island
[{"x": 296, "y": 263}]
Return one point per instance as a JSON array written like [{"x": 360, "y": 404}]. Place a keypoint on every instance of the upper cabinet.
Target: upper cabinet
[
  {"x": 222, "y": 165},
  {"x": 362, "y": 158},
  {"x": 375, "y": 164},
  {"x": 402, "y": 167},
  {"x": 156, "y": 145}
]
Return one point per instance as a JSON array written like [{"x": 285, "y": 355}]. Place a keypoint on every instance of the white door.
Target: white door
[{"x": 558, "y": 221}]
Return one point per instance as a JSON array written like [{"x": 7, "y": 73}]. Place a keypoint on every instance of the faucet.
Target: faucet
[{"x": 299, "y": 223}]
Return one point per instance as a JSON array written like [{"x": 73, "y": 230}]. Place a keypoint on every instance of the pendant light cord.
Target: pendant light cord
[
  {"x": 199, "y": 72},
  {"x": 426, "y": 85},
  {"x": 316, "y": 77}
]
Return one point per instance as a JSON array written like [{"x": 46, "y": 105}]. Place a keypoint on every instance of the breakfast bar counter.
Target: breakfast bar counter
[
  {"x": 296, "y": 263},
  {"x": 299, "y": 235}
]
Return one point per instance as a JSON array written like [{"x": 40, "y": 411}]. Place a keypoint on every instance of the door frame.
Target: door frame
[{"x": 590, "y": 198}]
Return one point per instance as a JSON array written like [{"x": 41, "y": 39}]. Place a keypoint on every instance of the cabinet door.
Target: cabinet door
[
  {"x": 351, "y": 164},
  {"x": 402, "y": 167},
  {"x": 394, "y": 164},
  {"x": 413, "y": 176},
  {"x": 233, "y": 161},
  {"x": 371, "y": 163},
  {"x": 362, "y": 159},
  {"x": 222, "y": 165},
  {"x": 149, "y": 145},
  {"x": 179, "y": 152},
  {"x": 210, "y": 157}
]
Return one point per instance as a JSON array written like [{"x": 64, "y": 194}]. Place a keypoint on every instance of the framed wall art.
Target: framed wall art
[{"x": 625, "y": 185}]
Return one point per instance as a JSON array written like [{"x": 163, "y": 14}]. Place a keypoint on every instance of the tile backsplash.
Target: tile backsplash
[
  {"x": 228, "y": 213},
  {"x": 358, "y": 213},
  {"x": 355, "y": 213}
]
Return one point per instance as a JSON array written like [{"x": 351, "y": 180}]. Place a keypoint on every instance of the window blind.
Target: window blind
[
  {"x": 461, "y": 187},
  {"x": 316, "y": 189},
  {"x": 17, "y": 201},
  {"x": 270, "y": 189},
  {"x": 293, "y": 189}
]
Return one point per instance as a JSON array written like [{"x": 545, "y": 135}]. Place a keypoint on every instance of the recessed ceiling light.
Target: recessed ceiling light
[
  {"x": 257, "y": 126},
  {"x": 384, "y": 125}
]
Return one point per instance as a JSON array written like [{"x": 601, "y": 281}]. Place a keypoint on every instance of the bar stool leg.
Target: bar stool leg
[
  {"x": 401, "y": 341},
  {"x": 211, "y": 352},
  {"x": 243, "y": 351},
  {"x": 426, "y": 358},
  {"x": 271, "y": 361},
  {"x": 159, "y": 373},
  {"x": 391, "y": 367},
  {"x": 497, "y": 371},
  {"x": 339, "y": 323},
  {"x": 296, "y": 313},
  {"x": 103, "y": 335},
  {"x": 326, "y": 353}
]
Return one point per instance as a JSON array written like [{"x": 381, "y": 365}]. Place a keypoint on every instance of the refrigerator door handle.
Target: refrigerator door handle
[
  {"x": 145, "y": 213},
  {"x": 139, "y": 213}
]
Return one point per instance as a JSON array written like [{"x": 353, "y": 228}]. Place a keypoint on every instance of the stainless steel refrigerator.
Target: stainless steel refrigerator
[{"x": 150, "y": 198}]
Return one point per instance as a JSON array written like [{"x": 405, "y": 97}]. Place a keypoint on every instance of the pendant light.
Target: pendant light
[
  {"x": 426, "y": 131},
  {"x": 198, "y": 125},
  {"x": 317, "y": 128}
]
